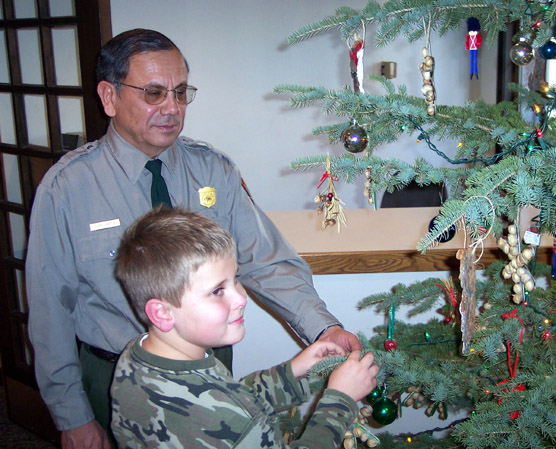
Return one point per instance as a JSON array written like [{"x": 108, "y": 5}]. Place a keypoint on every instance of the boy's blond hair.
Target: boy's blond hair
[{"x": 159, "y": 252}]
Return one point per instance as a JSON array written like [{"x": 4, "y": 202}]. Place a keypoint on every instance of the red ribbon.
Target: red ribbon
[
  {"x": 358, "y": 45},
  {"x": 325, "y": 175},
  {"x": 514, "y": 368},
  {"x": 514, "y": 414},
  {"x": 451, "y": 294}
]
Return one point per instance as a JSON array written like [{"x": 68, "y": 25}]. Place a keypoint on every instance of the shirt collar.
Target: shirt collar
[{"x": 133, "y": 160}]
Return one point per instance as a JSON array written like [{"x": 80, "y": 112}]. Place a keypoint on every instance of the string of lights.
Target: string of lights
[{"x": 527, "y": 142}]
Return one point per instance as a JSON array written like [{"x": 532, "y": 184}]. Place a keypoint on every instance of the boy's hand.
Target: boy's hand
[
  {"x": 354, "y": 377},
  {"x": 314, "y": 354}
]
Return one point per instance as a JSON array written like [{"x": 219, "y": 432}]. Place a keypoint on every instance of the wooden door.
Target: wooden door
[{"x": 48, "y": 105}]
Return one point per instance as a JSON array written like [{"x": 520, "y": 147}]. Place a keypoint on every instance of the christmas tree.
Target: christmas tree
[{"x": 491, "y": 351}]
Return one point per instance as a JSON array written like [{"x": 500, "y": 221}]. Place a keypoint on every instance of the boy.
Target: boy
[{"x": 179, "y": 272}]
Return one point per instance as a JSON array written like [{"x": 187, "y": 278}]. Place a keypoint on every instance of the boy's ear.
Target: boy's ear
[{"x": 159, "y": 314}]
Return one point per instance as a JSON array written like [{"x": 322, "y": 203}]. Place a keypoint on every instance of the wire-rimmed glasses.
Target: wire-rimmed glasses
[{"x": 155, "y": 95}]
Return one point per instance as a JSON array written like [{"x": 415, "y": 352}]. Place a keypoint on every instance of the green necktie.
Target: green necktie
[{"x": 159, "y": 191}]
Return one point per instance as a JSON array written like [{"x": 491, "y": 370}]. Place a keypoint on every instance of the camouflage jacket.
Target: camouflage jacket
[{"x": 162, "y": 403}]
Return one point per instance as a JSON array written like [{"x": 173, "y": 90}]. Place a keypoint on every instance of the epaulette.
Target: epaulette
[
  {"x": 67, "y": 159},
  {"x": 204, "y": 146}
]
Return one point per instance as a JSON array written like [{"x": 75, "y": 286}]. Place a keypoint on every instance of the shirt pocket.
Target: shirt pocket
[
  {"x": 97, "y": 253},
  {"x": 101, "y": 245}
]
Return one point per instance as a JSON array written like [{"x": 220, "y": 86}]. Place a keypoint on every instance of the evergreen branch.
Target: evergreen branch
[
  {"x": 482, "y": 196},
  {"x": 310, "y": 31},
  {"x": 396, "y": 17}
]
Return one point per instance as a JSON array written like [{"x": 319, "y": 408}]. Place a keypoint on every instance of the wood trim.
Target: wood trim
[
  {"x": 399, "y": 261},
  {"x": 382, "y": 241},
  {"x": 93, "y": 19},
  {"x": 26, "y": 408}
]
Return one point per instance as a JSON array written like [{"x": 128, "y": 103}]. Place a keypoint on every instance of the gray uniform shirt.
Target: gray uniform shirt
[{"x": 83, "y": 205}]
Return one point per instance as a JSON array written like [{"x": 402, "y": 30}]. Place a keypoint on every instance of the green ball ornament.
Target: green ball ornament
[
  {"x": 385, "y": 411},
  {"x": 374, "y": 395},
  {"x": 354, "y": 138}
]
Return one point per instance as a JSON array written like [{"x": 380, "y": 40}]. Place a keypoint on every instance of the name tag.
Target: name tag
[
  {"x": 104, "y": 225},
  {"x": 532, "y": 238}
]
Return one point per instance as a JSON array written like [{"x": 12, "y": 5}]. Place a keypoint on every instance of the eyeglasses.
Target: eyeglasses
[{"x": 157, "y": 94}]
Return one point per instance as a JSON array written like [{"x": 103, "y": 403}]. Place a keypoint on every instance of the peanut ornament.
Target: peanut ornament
[
  {"x": 360, "y": 431},
  {"x": 516, "y": 269},
  {"x": 427, "y": 71}
]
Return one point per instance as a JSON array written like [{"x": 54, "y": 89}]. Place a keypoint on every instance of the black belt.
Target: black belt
[{"x": 104, "y": 355}]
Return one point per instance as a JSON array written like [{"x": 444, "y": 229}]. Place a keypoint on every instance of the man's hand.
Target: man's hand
[
  {"x": 87, "y": 436},
  {"x": 340, "y": 336}
]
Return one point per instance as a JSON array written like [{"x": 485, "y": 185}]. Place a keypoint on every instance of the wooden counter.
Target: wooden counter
[{"x": 380, "y": 241}]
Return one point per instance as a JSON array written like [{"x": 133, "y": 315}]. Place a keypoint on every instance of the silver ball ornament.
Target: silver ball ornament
[
  {"x": 354, "y": 138},
  {"x": 521, "y": 53}
]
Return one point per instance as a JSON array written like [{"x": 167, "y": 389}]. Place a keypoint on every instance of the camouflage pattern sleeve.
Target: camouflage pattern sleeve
[
  {"x": 279, "y": 386},
  {"x": 333, "y": 415},
  {"x": 158, "y": 402}
]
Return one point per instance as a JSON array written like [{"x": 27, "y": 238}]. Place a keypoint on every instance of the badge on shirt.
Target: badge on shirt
[{"x": 207, "y": 196}]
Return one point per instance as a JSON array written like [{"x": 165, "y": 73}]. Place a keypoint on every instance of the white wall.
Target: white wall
[
  {"x": 237, "y": 52},
  {"x": 237, "y": 55}
]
